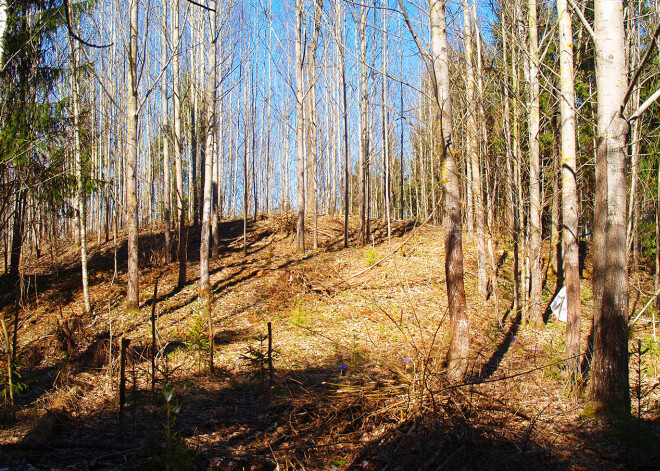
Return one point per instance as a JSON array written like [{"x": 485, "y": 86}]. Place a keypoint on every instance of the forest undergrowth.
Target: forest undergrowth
[{"x": 354, "y": 379}]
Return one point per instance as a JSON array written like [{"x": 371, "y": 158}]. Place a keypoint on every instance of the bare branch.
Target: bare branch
[{"x": 584, "y": 21}]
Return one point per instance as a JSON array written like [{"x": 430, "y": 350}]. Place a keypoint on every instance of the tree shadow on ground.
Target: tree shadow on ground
[
  {"x": 490, "y": 367},
  {"x": 313, "y": 417}
]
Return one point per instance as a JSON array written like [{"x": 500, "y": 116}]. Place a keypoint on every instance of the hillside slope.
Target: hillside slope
[{"x": 358, "y": 350}]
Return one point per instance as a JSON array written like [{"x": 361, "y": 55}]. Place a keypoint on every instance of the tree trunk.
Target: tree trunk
[
  {"x": 81, "y": 206},
  {"x": 132, "y": 292},
  {"x": 363, "y": 169},
  {"x": 176, "y": 104},
  {"x": 204, "y": 281},
  {"x": 460, "y": 335},
  {"x": 167, "y": 184},
  {"x": 3, "y": 30},
  {"x": 535, "y": 308},
  {"x": 300, "y": 157},
  {"x": 610, "y": 362},
  {"x": 386, "y": 130},
  {"x": 570, "y": 202},
  {"x": 312, "y": 121},
  {"x": 473, "y": 155}
]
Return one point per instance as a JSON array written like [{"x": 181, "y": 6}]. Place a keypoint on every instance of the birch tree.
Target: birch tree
[
  {"x": 535, "y": 308},
  {"x": 80, "y": 203},
  {"x": 3, "y": 30}
]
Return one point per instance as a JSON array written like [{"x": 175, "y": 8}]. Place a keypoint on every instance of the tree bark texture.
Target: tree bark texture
[
  {"x": 610, "y": 384},
  {"x": 460, "y": 340},
  {"x": 569, "y": 190},
  {"x": 132, "y": 293}
]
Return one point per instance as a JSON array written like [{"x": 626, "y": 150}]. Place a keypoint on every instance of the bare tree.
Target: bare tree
[
  {"x": 132, "y": 293},
  {"x": 363, "y": 166},
  {"x": 300, "y": 98},
  {"x": 205, "y": 285},
  {"x": 167, "y": 184},
  {"x": 535, "y": 308},
  {"x": 438, "y": 66},
  {"x": 80, "y": 195},
  {"x": 176, "y": 105},
  {"x": 473, "y": 155}
]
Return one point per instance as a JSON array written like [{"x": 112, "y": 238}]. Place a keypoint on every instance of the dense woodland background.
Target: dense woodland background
[{"x": 140, "y": 139}]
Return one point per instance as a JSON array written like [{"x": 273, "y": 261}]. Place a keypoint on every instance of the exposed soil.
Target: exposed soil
[{"x": 358, "y": 380}]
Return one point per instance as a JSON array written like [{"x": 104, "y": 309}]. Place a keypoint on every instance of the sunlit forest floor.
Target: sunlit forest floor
[{"x": 358, "y": 350}]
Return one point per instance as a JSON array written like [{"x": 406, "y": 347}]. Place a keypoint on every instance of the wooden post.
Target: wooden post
[
  {"x": 210, "y": 319},
  {"x": 122, "y": 384},
  {"x": 153, "y": 336},
  {"x": 270, "y": 353}
]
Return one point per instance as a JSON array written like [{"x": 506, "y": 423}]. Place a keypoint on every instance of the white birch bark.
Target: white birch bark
[{"x": 535, "y": 308}]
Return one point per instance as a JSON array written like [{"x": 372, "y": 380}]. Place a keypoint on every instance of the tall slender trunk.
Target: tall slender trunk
[
  {"x": 176, "y": 104},
  {"x": 460, "y": 335},
  {"x": 81, "y": 206},
  {"x": 132, "y": 293},
  {"x": 312, "y": 121},
  {"x": 511, "y": 157},
  {"x": 363, "y": 169},
  {"x": 386, "y": 129},
  {"x": 342, "y": 65},
  {"x": 210, "y": 131},
  {"x": 536, "y": 310},
  {"x": 610, "y": 384},
  {"x": 218, "y": 154},
  {"x": 473, "y": 153},
  {"x": 300, "y": 157},
  {"x": 570, "y": 201},
  {"x": 167, "y": 184}
]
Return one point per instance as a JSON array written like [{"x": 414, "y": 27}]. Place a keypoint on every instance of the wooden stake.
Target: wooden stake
[
  {"x": 153, "y": 336},
  {"x": 270, "y": 353},
  {"x": 122, "y": 384}
]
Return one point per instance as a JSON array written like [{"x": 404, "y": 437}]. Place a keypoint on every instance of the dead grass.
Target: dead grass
[{"x": 359, "y": 380}]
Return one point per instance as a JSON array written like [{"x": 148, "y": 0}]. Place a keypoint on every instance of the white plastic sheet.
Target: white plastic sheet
[{"x": 559, "y": 305}]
